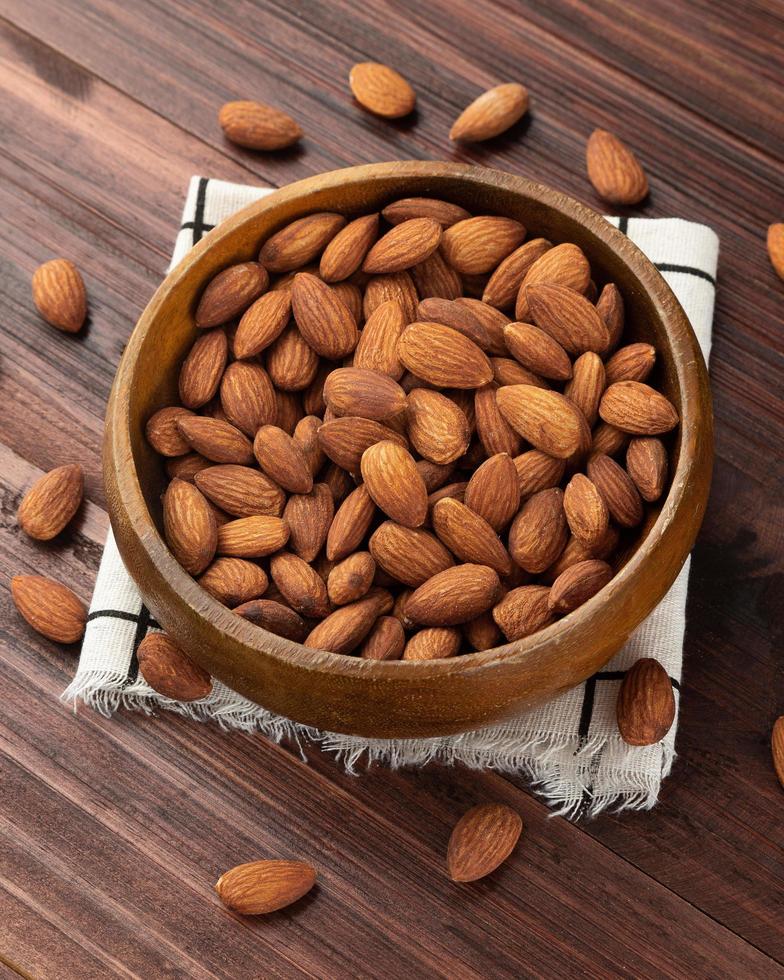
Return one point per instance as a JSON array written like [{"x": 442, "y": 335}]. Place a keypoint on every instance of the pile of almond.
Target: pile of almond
[{"x": 409, "y": 435}]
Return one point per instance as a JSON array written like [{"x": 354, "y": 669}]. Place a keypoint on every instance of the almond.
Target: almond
[
  {"x": 394, "y": 483},
  {"x": 274, "y": 617},
  {"x": 437, "y": 428},
  {"x": 202, "y": 369},
  {"x": 409, "y": 555},
  {"x": 609, "y": 440},
  {"x": 469, "y": 536},
  {"x": 575, "y": 551},
  {"x": 350, "y": 524},
  {"x": 646, "y": 704},
  {"x": 577, "y": 584},
  {"x": 290, "y": 411},
  {"x": 345, "y": 439},
  {"x": 377, "y": 346},
  {"x": 507, "y": 371},
  {"x": 230, "y": 293},
  {"x": 538, "y": 533},
  {"x": 162, "y": 432},
  {"x": 385, "y": 641},
  {"x": 435, "y": 475},
  {"x": 493, "y": 492},
  {"x": 433, "y": 643},
  {"x": 777, "y": 747},
  {"x": 398, "y": 286},
  {"x": 455, "y": 491},
  {"x": 347, "y": 250},
  {"x": 323, "y": 319},
  {"x": 300, "y": 242},
  {"x": 646, "y": 464},
  {"x": 634, "y": 362},
  {"x": 240, "y": 490},
  {"x": 252, "y": 537},
  {"x": 477, "y": 245},
  {"x": 59, "y": 295},
  {"x": 51, "y": 502},
  {"x": 381, "y": 90},
  {"x": 563, "y": 265},
  {"x": 300, "y": 584},
  {"x": 258, "y": 126},
  {"x": 538, "y": 471},
  {"x": 291, "y": 362},
  {"x": 186, "y": 467},
  {"x": 282, "y": 459},
  {"x": 454, "y": 596},
  {"x": 313, "y": 397},
  {"x": 247, "y": 397},
  {"x": 568, "y": 317},
  {"x": 262, "y": 323},
  {"x": 264, "y": 886},
  {"x": 306, "y": 437},
  {"x": 338, "y": 480},
  {"x": 454, "y": 315},
  {"x": 537, "y": 351},
  {"x": 234, "y": 580},
  {"x": 169, "y": 671},
  {"x": 436, "y": 278},
  {"x": 614, "y": 170},
  {"x": 482, "y": 632},
  {"x": 350, "y": 296},
  {"x": 616, "y": 486},
  {"x": 219, "y": 441},
  {"x": 51, "y": 608},
  {"x": 585, "y": 509},
  {"x": 548, "y": 420},
  {"x": 351, "y": 578},
  {"x": 775, "y": 243},
  {"x": 406, "y": 245},
  {"x": 610, "y": 308},
  {"x": 523, "y": 611},
  {"x": 491, "y": 113},
  {"x": 444, "y": 212},
  {"x": 481, "y": 841},
  {"x": 504, "y": 284},
  {"x": 189, "y": 524},
  {"x": 495, "y": 433},
  {"x": 363, "y": 393},
  {"x": 443, "y": 357},
  {"x": 492, "y": 320},
  {"x": 309, "y": 516},
  {"x": 587, "y": 385},
  {"x": 343, "y": 630},
  {"x": 637, "y": 408}
]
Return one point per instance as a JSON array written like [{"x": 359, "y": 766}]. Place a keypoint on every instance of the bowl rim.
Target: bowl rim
[{"x": 685, "y": 489}]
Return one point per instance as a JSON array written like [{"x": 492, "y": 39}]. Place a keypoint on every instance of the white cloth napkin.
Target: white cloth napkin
[{"x": 570, "y": 748}]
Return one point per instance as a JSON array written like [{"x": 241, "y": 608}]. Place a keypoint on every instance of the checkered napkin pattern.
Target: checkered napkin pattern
[{"x": 570, "y": 748}]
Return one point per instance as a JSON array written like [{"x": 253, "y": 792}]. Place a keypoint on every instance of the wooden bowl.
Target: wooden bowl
[{"x": 403, "y": 699}]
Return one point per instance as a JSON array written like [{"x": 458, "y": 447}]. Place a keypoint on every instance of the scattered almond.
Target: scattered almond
[
  {"x": 51, "y": 502},
  {"x": 258, "y": 126},
  {"x": 260, "y": 887},
  {"x": 381, "y": 90},
  {"x": 50, "y": 607},
  {"x": 59, "y": 295},
  {"x": 491, "y": 113},
  {"x": 169, "y": 671},
  {"x": 646, "y": 704},
  {"x": 614, "y": 170},
  {"x": 482, "y": 840},
  {"x": 776, "y": 247}
]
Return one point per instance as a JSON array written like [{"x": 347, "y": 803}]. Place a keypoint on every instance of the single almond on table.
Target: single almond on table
[
  {"x": 433, "y": 643},
  {"x": 548, "y": 420},
  {"x": 617, "y": 488},
  {"x": 258, "y": 126},
  {"x": 350, "y": 524},
  {"x": 493, "y": 492},
  {"x": 169, "y": 671},
  {"x": 51, "y": 502},
  {"x": 386, "y": 641},
  {"x": 775, "y": 242},
  {"x": 262, "y": 323},
  {"x": 300, "y": 584},
  {"x": 229, "y": 293},
  {"x": 189, "y": 525},
  {"x": 344, "y": 440},
  {"x": 219, "y": 441},
  {"x": 234, "y": 580},
  {"x": 351, "y": 578},
  {"x": 59, "y": 295},
  {"x": 367, "y": 394},
  {"x": 406, "y": 245},
  {"x": 344, "y": 629},
  {"x": 300, "y": 242},
  {"x": 539, "y": 533},
  {"x": 523, "y": 611},
  {"x": 469, "y": 537},
  {"x": 482, "y": 840},
  {"x": 634, "y": 362},
  {"x": 777, "y": 749},
  {"x": 637, "y": 408},
  {"x": 260, "y": 887},
  {"x": 614, "y": 170},
  {"x": 646, "y": 705},
  {"x": 444, "y": 212},
  {"x": 492, "y": 113},
  {"x": 646, "y": 464},
  {"x": 504, "y": 284},
  {"x": 398, "y": 286},
  {"x": 577, "y": 584},
  {"x": 275, "y": 617},
  {"x": 394, "y": 483},
  {"x": 202, "y": 369},
  {"x": 282, "y": 459},
  {"x": 347, "y": 250},
  {"x": 162, "y": 432},
  {"x": 381, "y": 90},
  {"x": 585, "y": 509},
  {"x": 563, "y": 265},
  {"x": 454, "y": 596},
  {"x": 323, "y": 319},
  {"x": 309, "y": 516},
  {"x": 437, "y": 428},
  {"x": 51, "y": 608},
  {"x": 477, "y": 245},
  {"x": 410, "y": 555}
]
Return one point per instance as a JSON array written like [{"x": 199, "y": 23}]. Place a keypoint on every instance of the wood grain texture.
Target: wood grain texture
[{"x": 114, "y": 831}]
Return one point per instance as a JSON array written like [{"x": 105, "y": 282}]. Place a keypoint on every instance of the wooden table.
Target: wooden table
[{"x": 114, "y": 830}]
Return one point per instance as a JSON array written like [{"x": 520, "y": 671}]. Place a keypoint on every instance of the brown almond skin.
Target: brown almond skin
[
  {"x": 323, "y": 319},
  {"x": 775, "y": 243},
  {"x": 381, "y": 90},
  {"x": 452, "y": 314},
  {"x": 476, "y": 245},
  {"x": 230, "y": 293},
  {"x": 617, "y": 488},
  {"x": 282, "y": 459},
  {"x": 504, "y": 284},
  {"x": 350, "y": 524},
  {"x": 538, "y": 351},
  {"x": 51, "y": 502},
  {"x": 343, "y": 630},
  {"x": 386, "y": 641},
  {"x": 548, "y": 420},
  {"x": 260, "y": 887},
  {"x": 273, "y": 616},
  {"x": 634, "y": 362},
  {"x": 351, "y": 578},
  {"x": 398, "y": 286},
  {"x": 469, "y": 537},
  {"x": 638, "y": 409},
  {"x": 614, "y": 170},
  {"x": 454, "y": 596},
  {"x": 433, "y": 643},
  {"x": 219, "y": 441},
  {"x": 347, "y": 250},
  {"x": 409, "y": 555},
  {"x": 186, "y": 467},
  {"x": 234, "y": 580},
  {"x": 290, "y": 411},
  {"x": 610, "y": 308},
  {"x": 377, "y": 346},
  {"x": 309, "y": 515},
  {"x": 482, "y": 633},
  {"x": 523, "y": 611},
  {"x": 363, "y": 393},
  {"x": 300, "y": 584},
  {"x": 493, "y": 492},
  {"x": 300, "y": 242},
  {"x": 169, "y": 671},
  {"x": 507, "y": 371},
  {"x": 306, "y": 437},
  {"x": 575, "y": 551},
  {"x": 437, "y": 428},
  {"x": 262, "y": 323},
  {"x": 444, "y": 212},
  {"x": 492, "y": 320},
  {"x": 777, "y": 741},
  {"x": 587, "y": 385},
  {"x": 434, "y": 277},
  {"x": 481, "y": 841},
  {"x": 50, "y": 607},
  {"x": 495, "y": 433},
  {"x": 538, "y": 471},
  {"x": 646, "y": 705},
  {"x": 585, "y": 509},
  {"x": 247, "y": 397},
  {"x": 257, "y": 126},
  {"x": 394, "y": 483},
  {"x": 240, "y": 490},
  {"x": 291, "y": 363},
  {"x": 406, "y": 245},
  {"x": 202, "y": 369},
  {"x": 539, "y": 531},
  {"x": 162, "y": 432},
  {"x": 568, "y": 317},
  {"x": 59, "y": 295},
  {"x": 252, "y": 537},
  {"x": 344, "y": 440},
  {"x": 608, "y": 440},
  {"x": 491, "y": 113},
  {"x": 646, "y": 464},
  {"x": 577, "y": 584},
  {"x": 563, "y": 265},
  {"x": 189, "y": 524}
]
